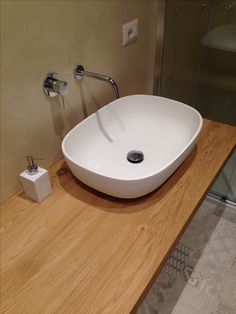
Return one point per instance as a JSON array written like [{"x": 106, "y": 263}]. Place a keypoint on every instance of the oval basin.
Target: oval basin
[{"x": 163, "y": 130}]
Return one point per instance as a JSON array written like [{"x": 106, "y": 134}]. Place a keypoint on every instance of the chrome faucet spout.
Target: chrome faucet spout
[
  {"x": 115, "y": 87},
  {"x": 79, "y": 72}
]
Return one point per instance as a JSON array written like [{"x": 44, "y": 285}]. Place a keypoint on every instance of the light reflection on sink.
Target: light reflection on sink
[{"x": 164, "y": 130}]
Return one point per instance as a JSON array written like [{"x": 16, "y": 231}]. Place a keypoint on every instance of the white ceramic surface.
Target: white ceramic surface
[{"x": 164, "y": 130}]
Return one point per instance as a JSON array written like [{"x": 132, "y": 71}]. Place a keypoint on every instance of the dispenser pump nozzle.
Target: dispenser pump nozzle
[{"x": 32, "y": 166}]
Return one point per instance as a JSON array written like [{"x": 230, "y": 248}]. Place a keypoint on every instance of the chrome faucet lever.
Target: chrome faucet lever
[
  {"x": 79, "y": 72},
  {"x": 53, "y": 86}
]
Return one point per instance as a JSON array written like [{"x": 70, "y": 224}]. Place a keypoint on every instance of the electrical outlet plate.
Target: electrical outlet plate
[{"x": 130, "y": 32}]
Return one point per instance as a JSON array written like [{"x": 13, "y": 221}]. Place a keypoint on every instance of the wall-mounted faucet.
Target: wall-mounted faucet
[
  {"x": 79, "y": 72},
  {"x": 53, "y": 86}
]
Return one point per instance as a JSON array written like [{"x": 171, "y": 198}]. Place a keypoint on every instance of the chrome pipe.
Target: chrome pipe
[{"x": 79, "y": 72}]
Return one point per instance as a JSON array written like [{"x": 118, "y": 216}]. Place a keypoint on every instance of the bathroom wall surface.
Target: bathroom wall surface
[{"x": 39, "y": 37}]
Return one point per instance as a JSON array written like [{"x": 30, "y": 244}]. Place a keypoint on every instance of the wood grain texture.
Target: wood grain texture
[{"x": 82, "y": 252}]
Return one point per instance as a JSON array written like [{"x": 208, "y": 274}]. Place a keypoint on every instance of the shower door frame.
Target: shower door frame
[{"x": 161, "y": 17}]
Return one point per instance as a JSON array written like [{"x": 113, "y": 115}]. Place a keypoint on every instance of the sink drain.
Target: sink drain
[{"x": 135, "y": 156}]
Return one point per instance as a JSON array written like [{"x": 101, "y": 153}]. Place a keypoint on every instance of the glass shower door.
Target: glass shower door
[
  {"x": 215, "y": 95},
  {"x": 199, "y": 67},
  {"x": 225, "y": 186},
  {"x": 185, "y": 23}
]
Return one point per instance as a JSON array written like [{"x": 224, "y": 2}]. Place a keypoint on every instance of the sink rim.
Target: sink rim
[{"x": 153, "y": 173}]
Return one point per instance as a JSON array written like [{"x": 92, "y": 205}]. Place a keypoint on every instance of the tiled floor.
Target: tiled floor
[{"x": 200, "y": 275}]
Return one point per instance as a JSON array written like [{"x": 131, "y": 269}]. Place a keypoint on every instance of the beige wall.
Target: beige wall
[{"x": 38, "y": 37}]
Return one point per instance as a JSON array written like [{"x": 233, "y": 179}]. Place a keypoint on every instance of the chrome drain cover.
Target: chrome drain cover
[{"x": 135, "y": 156}]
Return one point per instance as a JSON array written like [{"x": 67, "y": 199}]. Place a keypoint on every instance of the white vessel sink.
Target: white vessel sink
[{"x": 164, "y": 130}]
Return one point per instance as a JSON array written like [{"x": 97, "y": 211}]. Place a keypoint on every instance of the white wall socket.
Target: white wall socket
[{"x": 130, "y": 32}]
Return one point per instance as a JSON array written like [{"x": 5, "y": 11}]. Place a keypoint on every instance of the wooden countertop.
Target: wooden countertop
[{"x": 82, "y": 252}]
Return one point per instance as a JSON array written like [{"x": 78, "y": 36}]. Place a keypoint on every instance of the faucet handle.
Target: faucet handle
[
  {"x": 53, "y": 86},
  {"x": 78, "y": 72}
]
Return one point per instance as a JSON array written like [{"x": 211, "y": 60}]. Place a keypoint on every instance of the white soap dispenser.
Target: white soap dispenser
[{"x": 35, "y": 181}]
